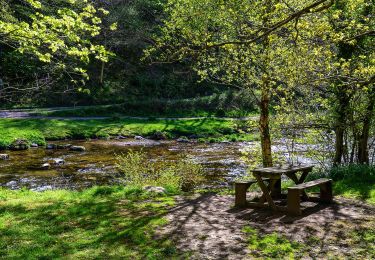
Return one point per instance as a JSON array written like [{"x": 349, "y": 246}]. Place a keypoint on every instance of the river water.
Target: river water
[{"x": 222, "y": 163}]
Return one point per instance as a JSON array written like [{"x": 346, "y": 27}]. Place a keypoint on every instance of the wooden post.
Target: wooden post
[
  {"x": 240, "y": 189},
  {"x": 294, "y": 202},
  {"x": 326, "y": 192}
]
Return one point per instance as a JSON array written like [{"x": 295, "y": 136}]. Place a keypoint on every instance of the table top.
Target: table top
[{"x": 283, "y": 169}]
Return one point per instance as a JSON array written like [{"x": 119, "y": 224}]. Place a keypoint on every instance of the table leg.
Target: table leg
[
  {"x": 276, "y": 189},
  {"x": 300, "y": 180},
  {"x": 266, "y": 192}
]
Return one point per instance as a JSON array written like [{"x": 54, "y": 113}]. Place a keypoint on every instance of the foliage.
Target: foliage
[
  {"x": 352, "y": 181},
  {"x": 100, "y": 222},
  {"x": 50, "y": 33},
  {"x": 139, "y": 171}
]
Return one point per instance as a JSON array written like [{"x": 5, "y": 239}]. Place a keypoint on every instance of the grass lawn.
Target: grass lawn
[
  {"x": 39, "y": 130},
  {"x": 97, "y": 223}
]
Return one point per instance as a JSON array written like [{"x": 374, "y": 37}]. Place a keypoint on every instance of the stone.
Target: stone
[
  {"x": 51, "y": 146},
  {"x": 155, "y": 189},
  {"x": 57, "y": 161},
  {"x": 122, "y": 137},
  {"x": 138, "y": 137},
  {"x": 46, "y": 166},
  {"x": 183, "y": 139},
  {"x": 158, "y": 136},
  {"x": 63, "y": 146},
  {"x": 77, "y": 148},
  {"x": 4, "y": 156},
  {"x": 19, "y": 145},
  {"x": 34, "y": 145}
]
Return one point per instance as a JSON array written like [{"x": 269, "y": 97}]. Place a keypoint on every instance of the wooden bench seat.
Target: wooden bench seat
[
  {"x": 294, "y": 194},
  {"x": 240, "y": 189}
]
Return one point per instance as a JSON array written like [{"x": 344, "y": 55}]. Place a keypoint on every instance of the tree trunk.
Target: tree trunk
[
  {"x": 264, "y": 124},
  {"x": 363, "y": 154},
  {"x": 340, "y": 125}
]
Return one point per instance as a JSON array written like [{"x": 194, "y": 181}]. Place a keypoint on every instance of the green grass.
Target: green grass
[
  {"x": 97, "y": 223},
  {"x": 270, "y": 245},
  {"x": 39, "y": 130},
  {"x": 237, "y": 104}
]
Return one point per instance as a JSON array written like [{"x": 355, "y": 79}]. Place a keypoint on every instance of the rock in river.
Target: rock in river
[
  {"x": 158, "y": 136},
  {"x": 4, "y": 156},
  {"x": 57, "y": 161},
  {"x": 34, "y": 145},
  {"x": 45, "y": 166},
  {"x": 19, "y": 145},
  {"x": 51, "y": 146},
  {"x": 77, "y": 148}
]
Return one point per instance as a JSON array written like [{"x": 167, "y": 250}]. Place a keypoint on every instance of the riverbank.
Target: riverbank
[{"x": 204, "y": 129}]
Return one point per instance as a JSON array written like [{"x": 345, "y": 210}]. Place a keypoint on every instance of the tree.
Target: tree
[
  {"x": 57, "y": 32},
  {"x": 352, "y": 78},
  {"x": 265, "y": 46}
]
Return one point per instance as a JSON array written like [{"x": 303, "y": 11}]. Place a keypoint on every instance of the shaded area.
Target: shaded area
[{"x": 208, "y": 225}]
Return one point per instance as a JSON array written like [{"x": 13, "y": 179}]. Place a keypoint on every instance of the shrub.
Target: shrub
[{"x": 180, "y": 175}]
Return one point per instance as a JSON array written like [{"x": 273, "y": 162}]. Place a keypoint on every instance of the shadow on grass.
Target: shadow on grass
[{"x": 92, "y": 227}]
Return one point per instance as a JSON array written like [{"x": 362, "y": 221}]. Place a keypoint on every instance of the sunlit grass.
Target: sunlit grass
[
  {"x": 39, "y": 130},
  {"x": 98, "y": 223}
]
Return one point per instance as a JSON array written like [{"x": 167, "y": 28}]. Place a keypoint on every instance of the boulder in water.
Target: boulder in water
[
  {"x": 4, "y": 156},
  {"x": 46, "y": 166},
  {"x": 63, "y": 146},
  {"x": 77, "y": 148},
  {"x": 158, "y": 136},
  {"x": 51, "y": 146},
  {"x": 19, "y": 145},
  {"x": 34, "y": 145},
  {"x": 57, "y": 161},
  {"x": 183, "y": 139}
]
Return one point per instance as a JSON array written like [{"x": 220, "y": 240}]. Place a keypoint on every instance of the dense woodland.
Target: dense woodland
[{"x": 298, "y": 74}]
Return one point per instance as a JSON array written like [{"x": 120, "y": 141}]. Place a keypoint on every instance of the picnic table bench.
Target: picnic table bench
[{"x": 269, "y": 181}]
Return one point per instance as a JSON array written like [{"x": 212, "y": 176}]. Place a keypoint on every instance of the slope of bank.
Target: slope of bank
[{"x": 204, "y": 129}]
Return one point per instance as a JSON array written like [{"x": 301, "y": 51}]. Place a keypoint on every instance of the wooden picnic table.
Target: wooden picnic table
[{"x": 272, "y": 190}]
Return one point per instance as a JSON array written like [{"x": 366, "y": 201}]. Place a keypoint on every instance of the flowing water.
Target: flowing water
[{"x": 96, "y": 166}]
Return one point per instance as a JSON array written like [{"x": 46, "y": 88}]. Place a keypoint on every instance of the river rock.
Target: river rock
[
  {"x": 155, "y": 189},
  {"x": 158, "y": 136},
  {"x": 77, "y": 148},
  {"x": 4, "y": 156},
  {"x": 138, "y": 137},
  {"x": 46, "y": 166},
  {"x": 183, "y": 139},
  {"x": 19, "y": 145},
  {"x": 57, "y": 161},
  {"x": 63, "y": 146},
  {"x": 34, "y": 145},
  {"x": 51, "y": 146}
]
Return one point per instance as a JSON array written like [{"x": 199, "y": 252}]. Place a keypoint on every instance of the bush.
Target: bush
[
  {"x": 180, "y": 175},
  {"x": 353, "y": 172}
]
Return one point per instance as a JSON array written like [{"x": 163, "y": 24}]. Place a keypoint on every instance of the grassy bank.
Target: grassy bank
[
  {"x": 39, "y": 130},
  {"x": 98, "y": 223},
  {"x": 227, "y": 104}
]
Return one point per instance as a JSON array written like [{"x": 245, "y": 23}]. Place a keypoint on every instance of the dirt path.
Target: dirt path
[{"x": 210, "y": 228}]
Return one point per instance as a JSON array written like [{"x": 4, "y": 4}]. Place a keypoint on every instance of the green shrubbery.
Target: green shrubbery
[
  {"x": 138, "y": 170},
  {"x": 352, "y": 181}
]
